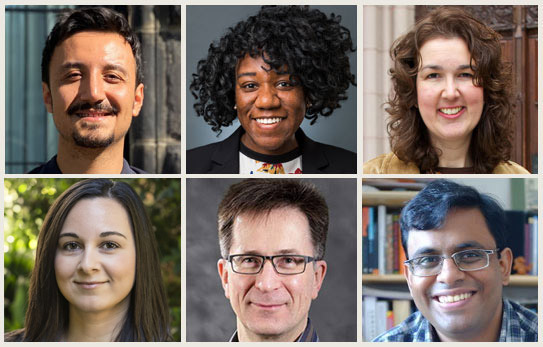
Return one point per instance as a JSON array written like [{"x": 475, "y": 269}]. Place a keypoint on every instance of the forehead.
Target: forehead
[
  {"x": 271, "y": 233},
  {"x": 97, "y": 215},
  {"x": 249, "y": 64},
  {"x": 94, "y": 46},
  {"x": 463, "y": 228},
  {"x": 444, "y": 50}
]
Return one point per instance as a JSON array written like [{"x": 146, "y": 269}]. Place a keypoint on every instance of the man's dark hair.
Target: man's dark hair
[
  {"x": 90, "y": 19},
  {"x": 431, "y": 206},
  {"x": 261, "y": 196},
  {"x": 312, "y": 46}
]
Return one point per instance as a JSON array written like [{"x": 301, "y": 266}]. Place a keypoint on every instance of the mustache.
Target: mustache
[{"x": 97, "y": 106}]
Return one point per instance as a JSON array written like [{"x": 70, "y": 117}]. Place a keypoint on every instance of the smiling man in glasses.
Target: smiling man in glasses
[
  {"x": 272, "y": 235},
  {"x": 458, "y": 263}
]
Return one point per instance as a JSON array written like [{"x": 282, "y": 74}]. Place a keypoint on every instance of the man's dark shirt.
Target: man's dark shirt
[{"x": 51, "y": 167}]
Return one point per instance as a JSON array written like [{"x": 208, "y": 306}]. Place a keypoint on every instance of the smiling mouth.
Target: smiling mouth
[
  {"x": 451, "y": 110},
  {"x": 273, "y": 120},
  {"x": 92, "y": 114},
  {"x": 447, "y": 299}
]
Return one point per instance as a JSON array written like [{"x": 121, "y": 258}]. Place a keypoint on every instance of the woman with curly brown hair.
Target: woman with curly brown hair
[{"x": 451, "y": 111}]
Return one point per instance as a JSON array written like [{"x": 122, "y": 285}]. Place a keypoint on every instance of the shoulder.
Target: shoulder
[
  {"x": 509, "y": 167},
  {"x": 340, "y": 160},
  {"x": 412, "y": 329},
  {"x": 50, "y": 167},
  {"x": 389, "y": 164},
  {"x": 522, "y": 322},
  {"x": 199, "y": 158},
  {"x": 14, "y": 336}
]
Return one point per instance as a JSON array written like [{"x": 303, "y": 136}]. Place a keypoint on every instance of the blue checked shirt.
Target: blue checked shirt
[
  {"x": 309, "y": 334},
  {"x": 519, "y": 324}
]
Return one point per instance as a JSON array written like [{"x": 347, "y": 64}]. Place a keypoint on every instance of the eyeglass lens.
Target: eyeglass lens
[
  {"x": 468, "y": 260},
  {"x": 284, "y": 264}
]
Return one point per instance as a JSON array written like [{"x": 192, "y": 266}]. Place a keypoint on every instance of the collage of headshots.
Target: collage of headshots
[{"x": 191, "y": 172}]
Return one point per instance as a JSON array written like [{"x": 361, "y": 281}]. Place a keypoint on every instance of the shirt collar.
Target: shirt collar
[{"x": 309, "y": 334}]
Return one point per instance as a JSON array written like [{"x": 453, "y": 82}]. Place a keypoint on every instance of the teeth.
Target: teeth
[
  {"x": 268, "y": 120},
  {"x": 453, "y": 298},
  {"x": 453, "y": 110}
]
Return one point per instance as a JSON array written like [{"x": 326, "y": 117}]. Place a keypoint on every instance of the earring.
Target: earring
[{"x": 235, "y": 107}]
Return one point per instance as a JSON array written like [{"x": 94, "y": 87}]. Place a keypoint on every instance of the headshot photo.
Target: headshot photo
[
  {"x": 271, "y": 260},
  {"x": 454, "y": 90},
  {"x": 93, "y": 90},
  {"x": 93, "y": 260},
  {"x": 464, "y": 260},
  {"x": 271, "y": 89}
]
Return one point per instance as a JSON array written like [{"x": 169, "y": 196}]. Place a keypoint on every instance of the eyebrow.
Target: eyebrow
[
  {"x": 81, "y": 66},
  {"x": 102, "y": 234},
  {"x": 280, "y": 252},
  {"x": 439, "y": 67}
]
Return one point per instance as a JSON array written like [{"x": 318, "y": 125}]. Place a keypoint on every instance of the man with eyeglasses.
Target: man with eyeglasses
[
  {"x": 454, "y": 240},
  {"x": 272, "y": 235}
]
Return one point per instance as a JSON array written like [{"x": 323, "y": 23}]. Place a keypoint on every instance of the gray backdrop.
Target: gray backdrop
[
  {"x": 209, "y": 315},
  {"x": 206, "y": 24}
]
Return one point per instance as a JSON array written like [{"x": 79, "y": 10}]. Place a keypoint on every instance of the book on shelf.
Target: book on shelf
[
  {"x": 522, "y": 239},
  {"x": 382, "y": 251},
  {"x": 381, "y": 314}
]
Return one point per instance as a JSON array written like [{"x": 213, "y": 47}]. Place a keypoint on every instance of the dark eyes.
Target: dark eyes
[
  {"x": 74, "y": 246},
  {"x": 461, "y": 75}
]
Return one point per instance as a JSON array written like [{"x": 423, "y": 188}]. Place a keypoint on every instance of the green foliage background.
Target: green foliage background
[{"x": 26, "y": 203}]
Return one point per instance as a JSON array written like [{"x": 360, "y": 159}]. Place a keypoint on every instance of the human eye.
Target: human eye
[
  {"x": 72, "y": 76},
  {"x": 470, "y": 256},
  {"x": 432, "y": 75},
  {"x": 110, "y": 245},
  {"x": 289, "y": 261},
  {"x": 427, "y": 261},
  {"x": 249, "y": 86},
  {"x": 466, "y": 75},
  {"x": 248, "y": 261},
  {"x": 71, "y": 246},
  {"x": 112, "y": 77}
]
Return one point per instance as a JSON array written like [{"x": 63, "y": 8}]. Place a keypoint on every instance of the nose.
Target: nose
[
  {"x": 450, "y": 89},
  {"x": 89, "y": 261},
  {"x": 267, "y": 97},
  {"x": 91, "y": 88},
  {"x": 267, "y": 279},
  {"x": 450, "y": 273}
]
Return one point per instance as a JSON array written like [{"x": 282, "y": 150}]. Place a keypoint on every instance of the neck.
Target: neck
[
  {"x": 245, "y": 335},
  {"x": 491, "y": 334},
  {"x": 454, "y": 154},
  {"x": 101, "y": 326},
  {"x": 72, "y": 159}
]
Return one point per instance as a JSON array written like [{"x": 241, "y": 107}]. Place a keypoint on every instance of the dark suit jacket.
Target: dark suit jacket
[{"x": 223, "y": 157}]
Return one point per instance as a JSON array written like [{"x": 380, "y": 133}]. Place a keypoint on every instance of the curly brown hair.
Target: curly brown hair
[{"x": 491, "y": 140}]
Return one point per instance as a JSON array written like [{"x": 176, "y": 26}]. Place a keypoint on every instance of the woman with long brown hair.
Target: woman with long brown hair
[
  {"x": 97, "y": 273},
  {"x": 451, "y": 110}
]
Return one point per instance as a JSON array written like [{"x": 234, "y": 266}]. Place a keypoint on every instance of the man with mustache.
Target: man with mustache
[
  {"x": 458, "y": 262},
  {"x": 92, "y": 83},
  {"x": 272, "y": 235}
]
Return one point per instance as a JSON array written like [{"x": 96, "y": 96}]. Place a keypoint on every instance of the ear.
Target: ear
[
  {"x": 506, "y": 261},
  {"x": 222, "y": 267},
  {"x": 138, "y": 100},
  {"x": 46, "y": 94},
  {"x": 319, "y": 271}
]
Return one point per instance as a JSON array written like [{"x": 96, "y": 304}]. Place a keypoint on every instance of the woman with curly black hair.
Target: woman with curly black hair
[
  {"x": 451, "y": 111},
  {"x": 270, "y": 72}
]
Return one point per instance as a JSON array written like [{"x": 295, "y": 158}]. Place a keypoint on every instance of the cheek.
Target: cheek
[
  {"x": 426, "y": 99},
  {"x": 64, "y": 268}
]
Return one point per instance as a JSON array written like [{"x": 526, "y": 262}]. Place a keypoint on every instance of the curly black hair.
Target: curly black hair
[{"x": 312, "y": 46}]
